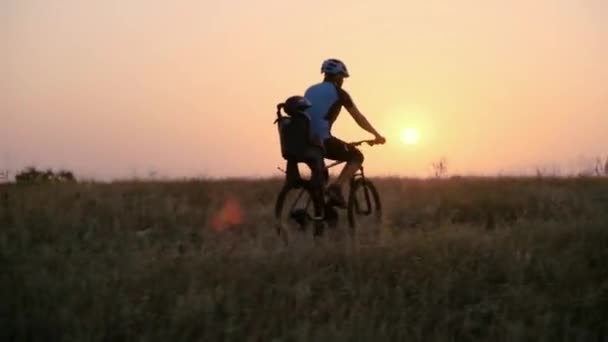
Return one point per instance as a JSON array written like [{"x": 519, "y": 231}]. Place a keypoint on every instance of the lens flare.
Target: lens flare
[{"x": 229, "y": 215}]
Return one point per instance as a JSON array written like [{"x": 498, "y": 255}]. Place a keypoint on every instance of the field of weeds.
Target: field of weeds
[{"x": 468, "y": 259}]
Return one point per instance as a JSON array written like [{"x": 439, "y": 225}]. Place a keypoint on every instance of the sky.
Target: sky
[{"x": 113, "y": 89}]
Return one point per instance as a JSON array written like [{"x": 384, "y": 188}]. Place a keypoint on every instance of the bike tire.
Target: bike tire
[
  {"x": 282, "y": 204},
  {"x": 375, "y": 205}
]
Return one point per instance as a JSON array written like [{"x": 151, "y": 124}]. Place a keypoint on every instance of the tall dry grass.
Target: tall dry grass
[{"x": 506, "y": 259}]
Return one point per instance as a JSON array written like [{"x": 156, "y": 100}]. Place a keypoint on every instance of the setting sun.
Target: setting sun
[{"x": 410, "y": 136}]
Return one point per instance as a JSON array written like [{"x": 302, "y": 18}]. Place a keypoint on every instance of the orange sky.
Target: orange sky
[{"x": 116, "y": 88}]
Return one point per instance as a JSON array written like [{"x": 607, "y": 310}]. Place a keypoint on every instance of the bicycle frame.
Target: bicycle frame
[
  {"x": 359, "y": 174},
  {"x": 302, "y": 191}
]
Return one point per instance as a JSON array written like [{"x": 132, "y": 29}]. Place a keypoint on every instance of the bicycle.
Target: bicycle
[{"x": 356, "y": 209}]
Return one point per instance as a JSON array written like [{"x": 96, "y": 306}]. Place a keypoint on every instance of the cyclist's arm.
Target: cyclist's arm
[{"x": 359, "y": 118}]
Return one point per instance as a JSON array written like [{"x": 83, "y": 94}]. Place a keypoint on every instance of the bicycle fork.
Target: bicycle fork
[{"x": 366, "y": 194}]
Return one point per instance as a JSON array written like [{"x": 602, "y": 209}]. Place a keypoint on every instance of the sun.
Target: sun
[{"x": 410, "y": 136}]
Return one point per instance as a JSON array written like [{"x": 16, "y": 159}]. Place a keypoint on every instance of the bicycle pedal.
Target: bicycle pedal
[
  {"x": 335, "y": 204},
  {"x": 330, "y": 213},
  {"x": 300, "y": 216},
  {"x": 317, "y": 218},
  {"x": 318, "y": 229}
]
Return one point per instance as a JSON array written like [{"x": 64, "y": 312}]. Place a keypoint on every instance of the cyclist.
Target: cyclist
[{"x": 327, "y": 99}]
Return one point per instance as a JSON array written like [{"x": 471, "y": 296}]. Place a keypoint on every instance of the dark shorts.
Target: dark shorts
[{"x": 336, "y": 149}]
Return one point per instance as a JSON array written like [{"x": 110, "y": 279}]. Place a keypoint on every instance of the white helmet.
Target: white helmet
[{"x": 334, "y": 66}]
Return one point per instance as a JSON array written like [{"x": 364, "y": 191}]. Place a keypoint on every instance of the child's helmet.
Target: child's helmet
[{"x": 296, "y": 104}]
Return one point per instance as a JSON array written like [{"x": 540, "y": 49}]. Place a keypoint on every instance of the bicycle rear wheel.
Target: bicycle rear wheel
[
  {"x": 364, "y": 207},
  {"x": 294, "y": 210}
]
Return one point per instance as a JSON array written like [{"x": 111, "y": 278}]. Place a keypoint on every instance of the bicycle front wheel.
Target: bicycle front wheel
[{"x": 364, "y": 206}]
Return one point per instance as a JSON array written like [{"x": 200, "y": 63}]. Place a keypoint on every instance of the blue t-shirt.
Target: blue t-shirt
[{"x": 327, "y": 100}]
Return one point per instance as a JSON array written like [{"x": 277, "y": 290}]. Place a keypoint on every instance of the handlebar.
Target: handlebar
[{"x": 370, "y": 142}]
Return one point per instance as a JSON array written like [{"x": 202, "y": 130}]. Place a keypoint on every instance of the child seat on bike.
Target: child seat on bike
[
  {"x": 300, "y": 145},
  {"x": 297, "y": 140}
]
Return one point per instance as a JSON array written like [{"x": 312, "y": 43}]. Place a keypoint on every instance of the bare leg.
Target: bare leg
[
  {"x": 316, "y": 165},
  {"x": 347, "y": 173},
  {"x": 342, "y": 151}
]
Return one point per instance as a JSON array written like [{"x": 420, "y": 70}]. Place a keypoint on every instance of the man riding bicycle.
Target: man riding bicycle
[{"x": 327, "y": 99}]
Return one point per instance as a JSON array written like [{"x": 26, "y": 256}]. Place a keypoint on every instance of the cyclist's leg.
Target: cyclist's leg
[
  {"x": 314, "y": 160},
  {"x": 339, "y": 150},
  {"x": 292, "y": 173}
]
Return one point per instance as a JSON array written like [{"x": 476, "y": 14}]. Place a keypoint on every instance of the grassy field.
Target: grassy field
[{"x": 503, "y": 259}]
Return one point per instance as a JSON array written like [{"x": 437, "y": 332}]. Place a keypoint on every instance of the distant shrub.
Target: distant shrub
[
  {"x": 4, "y": 175},
  {"x": 33, "y": 175},
  {"x": 440, "y": 167}
]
